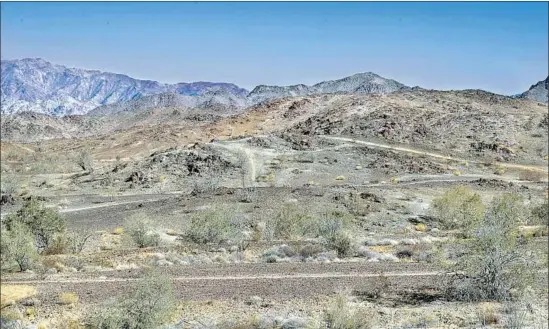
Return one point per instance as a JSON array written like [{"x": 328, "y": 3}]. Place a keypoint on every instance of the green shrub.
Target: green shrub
[
  {"x": 494, "y": 264},
  {"x": 18, "y": 247},
  {"x": 292, "y": 222},
  {"x": 539, "y": 214},
  {"x": 458, "y": 208},
  {"x": 43, "y": 223},
  {"x": 341, "y": 315},
  {"x": 150, "y": 305},
  {"x": 141, "y": 230},
  {"x": 210, "y": 227}
]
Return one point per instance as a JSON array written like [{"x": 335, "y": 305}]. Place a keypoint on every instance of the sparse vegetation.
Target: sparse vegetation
[
  {"x": 494, "y": 266},
  {"x": 150, "y": 305},
  {"x": 539, "y": 214},
  {"x": 292, "y": 222},
  {"x": 76, "y": 241},
  {"x": 18, "y": 246},
  {"x": 85, "y": 161},
  {"x": 458, "y": 208},
  {"x": 68, "y": 298},
  {"x": 212, "y": 226},
  {"x": 9, "y": 185},
  {"x": 142, "y": 231},
  {"x": 341, "y": 315},
  {"x": 44, "y": 223}
]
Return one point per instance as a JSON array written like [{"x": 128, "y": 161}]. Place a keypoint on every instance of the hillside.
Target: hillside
[
  {"x": 538, "y": 92},
  {"x": 39, "y": 86}
]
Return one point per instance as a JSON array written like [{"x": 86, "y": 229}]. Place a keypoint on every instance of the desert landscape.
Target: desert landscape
[
  {"x": 350, "y": 209},
  {"x": 354, "y": 203}
]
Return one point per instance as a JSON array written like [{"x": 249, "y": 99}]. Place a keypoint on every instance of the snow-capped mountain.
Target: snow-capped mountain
[{"x": 39, "y": 86}]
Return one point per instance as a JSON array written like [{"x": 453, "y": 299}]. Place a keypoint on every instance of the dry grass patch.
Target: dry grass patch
[
  {"x": 68, "y": 298},
  {"x": 15, "y": 293},
  {"x": 487, "y": 314},
  {"x": 420, "y": 227},
  {"x": 383, "y": 249}
]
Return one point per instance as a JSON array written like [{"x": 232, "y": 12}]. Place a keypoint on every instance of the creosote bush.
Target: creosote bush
[
  {"x": 142, "y": 231},
  {"x": 494, "y": 265},
  {"x": 458, "y": 208},
  {"x": 150, "y": 305},
  {"x": 18, "y": 247},
  {"x": 342, "y": 316},
  {"x": 213, "y": 226},
  {"x": 292, "y": 222}
]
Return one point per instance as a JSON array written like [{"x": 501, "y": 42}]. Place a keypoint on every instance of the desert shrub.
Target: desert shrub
[
  {"x": 8, "y": 185},
  {"x": 210, "y": 227},
  {"x": 292, "y": 222},
  {"x": 488, "y": 315},
  {"x": 281, "y": 251},
  {"x": 493, "y": 264},
  {"x": 330, "y": 226},
  {"x": 85, "y": 161},
  {"x": 109, "y": 317},
  {"x": 141, "y": 230},
  {"x": 76, "y": 241},
  {"x": 342, "y": 243},
  {"x": 340, "y": 315},
  {"x": 58, "y": 245},
  {"x": 150, "y": 305},
  {"x": 458, "y": 208},
  {"x": 539, "y": 214},
  {"x": 43, "y": 223},
  {"x": 420, "y": 227},
  {"x": 310, "y": 250},
  {"x": 18, "y": 247}
]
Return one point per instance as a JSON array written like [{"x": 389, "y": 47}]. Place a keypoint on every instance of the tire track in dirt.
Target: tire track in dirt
[{"x": 430, "y": 154}]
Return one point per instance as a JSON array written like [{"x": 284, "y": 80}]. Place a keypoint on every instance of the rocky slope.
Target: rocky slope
[
  {"x": 39, "y": 86},
  {"x": 363, "y": 83},
  {"x": 221, "y": 100},
  {"x": 538, "y": 92}
]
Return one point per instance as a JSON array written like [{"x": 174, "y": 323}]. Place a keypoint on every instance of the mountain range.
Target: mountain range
[
  {"x": 36, "y": 85},
  {"x": 39, "y": 86}
]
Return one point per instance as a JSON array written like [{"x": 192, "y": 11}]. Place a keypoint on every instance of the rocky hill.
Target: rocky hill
[
  {"x": 538, "y": 92},
  {"x": 221, "y": 100},
  {"x": 362, "y": 83}
]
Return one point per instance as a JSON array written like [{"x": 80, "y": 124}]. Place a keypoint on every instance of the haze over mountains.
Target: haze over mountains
[{"x": 39, "y": 86}]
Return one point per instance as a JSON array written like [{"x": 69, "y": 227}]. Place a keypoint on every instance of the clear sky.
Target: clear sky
[{"x": 500, "y": 47}]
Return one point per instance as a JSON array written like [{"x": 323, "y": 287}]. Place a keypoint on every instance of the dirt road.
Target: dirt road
[
  {"x": 240, "y": 281},
  {"x": 433, "y": 155}
]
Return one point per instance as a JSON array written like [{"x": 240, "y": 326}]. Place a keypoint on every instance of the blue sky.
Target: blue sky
[{"x": 501, "y": 47}]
